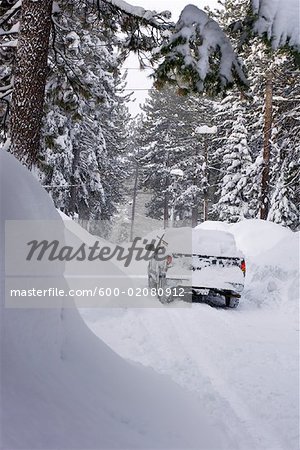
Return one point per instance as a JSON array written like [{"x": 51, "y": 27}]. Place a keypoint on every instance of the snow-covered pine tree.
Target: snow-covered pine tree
[
  {"x": 280, "y": 25},
  {"x": 173, "y": 157},
  {"x": 156, "y": 137},
  {"x": 197, "y": 190},
  {"x": 85, "y": 128},
  {"x": 283, "y": 209},
  {"x": 285, "y": 200},
  {"x": 198, "y": 56},
  {"x": 237, "y": 20},
  {"x": 8, "y": 30},
  {"x": 196, "y": 52},
  {"x": 133, "y": 28},
  {"x": 233, "y": 202},
  {"x": 116, "y": 123}
]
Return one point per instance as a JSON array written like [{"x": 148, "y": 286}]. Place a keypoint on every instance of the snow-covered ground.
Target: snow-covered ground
[
  {"x": 63, "y": 388},
  {"x": 242, "y": 365},
  {"x": 232, "y": 374}
]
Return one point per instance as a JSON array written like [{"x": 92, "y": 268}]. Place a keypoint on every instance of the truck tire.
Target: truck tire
[
  {"x": 163, "y": 297},
  {"x": 231, "y": 302},
  {"x": 151, "y": 282}
]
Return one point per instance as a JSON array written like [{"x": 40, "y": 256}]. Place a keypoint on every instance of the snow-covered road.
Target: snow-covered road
[{"x": 242, "y": 365}]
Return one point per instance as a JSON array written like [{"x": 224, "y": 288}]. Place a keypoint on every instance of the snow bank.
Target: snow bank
[
  {"x": 272, "y": 260},
  {"x": 255, "y": 236},
  {"x": 64, "y": 388}
]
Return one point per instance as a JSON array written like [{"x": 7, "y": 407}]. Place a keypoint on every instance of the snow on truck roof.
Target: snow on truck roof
[{"x": 188, "y": 240}]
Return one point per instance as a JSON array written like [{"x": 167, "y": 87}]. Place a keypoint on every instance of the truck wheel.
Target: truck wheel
[
  {"x": 231, "y": 302},
  {"x": 151, "y": 283},
  {"x": 163, "y": 297}
]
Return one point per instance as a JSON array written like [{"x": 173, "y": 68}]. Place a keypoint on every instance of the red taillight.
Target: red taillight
[
  {"x": 243, "y": 267},
  {"x": 169, "y": 260}
]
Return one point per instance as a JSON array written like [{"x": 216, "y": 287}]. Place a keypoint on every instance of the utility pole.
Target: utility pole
[
  {"x": 167, "y": 184},
  {"x": 204, "y": 130},
  {"x": 176, "y": 174},
  {"x": 195, "y": 199},
  {"x": 205, "y": 190},
  {"x": 268, "y": 120}
]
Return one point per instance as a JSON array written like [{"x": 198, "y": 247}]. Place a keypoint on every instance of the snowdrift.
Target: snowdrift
[
  {"x": 62, "y": 387},
  {"x": 272, "y": 259}
]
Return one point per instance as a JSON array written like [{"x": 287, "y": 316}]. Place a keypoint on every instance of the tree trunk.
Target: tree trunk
[
  {"x": 194, "y": 216},
  {"x": 73, "y": 200},
  {"x": 264, "y": 206},
  {"x": 134, "y": 201},
  {"x": 205, "y": 207},
  {"x": 166, "y": 208},
  {"x": 30, "y": 72}
]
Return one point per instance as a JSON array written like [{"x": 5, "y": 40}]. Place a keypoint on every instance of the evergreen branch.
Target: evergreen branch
[
  {"x": 10, "y": 13},
  {"x": 145, "y": 17}
]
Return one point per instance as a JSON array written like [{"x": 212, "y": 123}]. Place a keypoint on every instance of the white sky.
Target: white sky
[{"x": 136, "y": 78}]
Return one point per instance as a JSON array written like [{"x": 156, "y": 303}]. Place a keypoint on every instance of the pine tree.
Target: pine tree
[
  {"x": 130, "y": 28},
  {"x": 232, "y": 205},
  {"x": 198, "y": 56},
  {"x": 9, "y": 16},
  {"x": 285, "y": 177},
  {"x": 173, "y": 159},
  {"x": 283, "y": 209},
  {"x": 259, "y": 58},
  {"x": 85, "y": 128}
]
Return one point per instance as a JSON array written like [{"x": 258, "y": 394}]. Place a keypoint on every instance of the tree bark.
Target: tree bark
[
  {"x": 264, "y": 205},
  {"x": 134, "y": 200},
  {"x": 73, "y": 200},
  {"x": 30, "y": 72},
  {"x": 166, "y": 206},
  {"x": 194, "y": 215}
]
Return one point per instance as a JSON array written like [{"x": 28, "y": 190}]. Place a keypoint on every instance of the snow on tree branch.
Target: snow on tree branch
[
  {"x": 198, "y": 54},
  {"x": 280, "y": 20},
  {"x": 156, "y": 20}
]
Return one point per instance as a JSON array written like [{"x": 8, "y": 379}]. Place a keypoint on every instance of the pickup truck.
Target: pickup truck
[{"x": 198, "y": 264}]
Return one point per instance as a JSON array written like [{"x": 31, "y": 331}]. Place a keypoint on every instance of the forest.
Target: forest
[{"x": 218, "y": 135}]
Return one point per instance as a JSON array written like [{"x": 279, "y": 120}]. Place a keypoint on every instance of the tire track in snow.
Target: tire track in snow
[
  {"x": 262, "y": 436},
  {"x": 167, "y": 353},
  {"x": 168, "y": 340}
]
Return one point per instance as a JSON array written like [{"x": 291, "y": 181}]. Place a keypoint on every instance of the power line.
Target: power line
[
  {"x": 136, "y": 68},
  {"x": 149, "y": 89}
]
